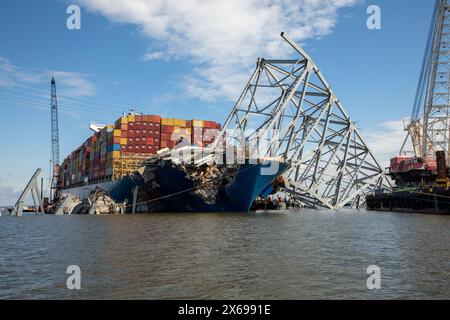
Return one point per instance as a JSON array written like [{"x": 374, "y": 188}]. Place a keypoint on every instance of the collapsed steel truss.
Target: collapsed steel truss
[{"x": 288, "y": 110}]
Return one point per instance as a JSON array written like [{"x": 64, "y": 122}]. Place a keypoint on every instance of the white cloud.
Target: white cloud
[
  {"x": 75, "y": 84},
  {"x": 221, "y": 38},
  {"x": 153, "y": 56},
  {"x": 386, "y": 139},
  {"x": 11, "y": 74}
]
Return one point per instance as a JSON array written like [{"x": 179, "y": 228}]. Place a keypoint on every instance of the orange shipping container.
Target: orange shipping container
[{"x": 155, "y": 119}]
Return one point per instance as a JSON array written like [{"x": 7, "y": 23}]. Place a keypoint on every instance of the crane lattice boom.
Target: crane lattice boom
[{"x": 430, "y": 120}]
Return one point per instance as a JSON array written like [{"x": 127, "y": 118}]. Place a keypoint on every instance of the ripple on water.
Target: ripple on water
[{"x": 298, "y": 255}]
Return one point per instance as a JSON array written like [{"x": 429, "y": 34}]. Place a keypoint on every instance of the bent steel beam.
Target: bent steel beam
[{"x": 289, "y": 111}]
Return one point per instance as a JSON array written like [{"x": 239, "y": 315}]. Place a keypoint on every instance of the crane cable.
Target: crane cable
[{"x": 425, "y": 70}]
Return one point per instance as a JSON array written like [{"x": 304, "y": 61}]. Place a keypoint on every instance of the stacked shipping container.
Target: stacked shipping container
[
  {"x": 172, "y": 130},
  {"x": 142, "y": 134},
  {"x": 102, "y": 156},
  {"x": 204, "y": 132}
]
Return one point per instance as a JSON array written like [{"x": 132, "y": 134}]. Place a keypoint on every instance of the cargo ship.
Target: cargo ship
[
  {"x": 422, "y": 186},
  {"x": 132, "y": 163}
]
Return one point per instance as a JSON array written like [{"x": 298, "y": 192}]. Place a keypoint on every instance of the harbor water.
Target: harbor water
[{"x": 306, "y": 254}]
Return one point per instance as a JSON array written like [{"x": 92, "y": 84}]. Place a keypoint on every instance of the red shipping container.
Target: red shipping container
[
  {"x": 167, "y": 129},
  {"x": 155, "y": 119},
  {"x": 166, "y": 137}
]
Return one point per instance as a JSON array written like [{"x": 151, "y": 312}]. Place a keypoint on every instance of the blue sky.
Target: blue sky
[{"x": 180, "y": 59}]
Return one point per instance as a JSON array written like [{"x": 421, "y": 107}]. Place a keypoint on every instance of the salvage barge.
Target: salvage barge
[
  {"x": 421, "y": 187},
  {"x": 181, "y": 174}
]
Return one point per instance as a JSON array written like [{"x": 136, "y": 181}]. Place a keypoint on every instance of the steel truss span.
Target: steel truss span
[{"x": 288, "y": 110}]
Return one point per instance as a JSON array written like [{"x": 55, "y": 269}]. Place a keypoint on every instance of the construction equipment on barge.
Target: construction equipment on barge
[{"x": 421, "y": 174}]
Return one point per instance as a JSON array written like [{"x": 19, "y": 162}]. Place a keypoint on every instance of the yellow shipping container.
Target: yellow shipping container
[
  {"x": 179, "y": 122},
  {"x": 198, "y": 123},
  {"x": 116, "y": 154},
  {"x": 123, "y": 141},
  {"x": 124, "y": 120},
  {"x": 182, "y": 130},
  {"x": 117, "y": 133},
  {"x": 131, "y": 118},
  {"x": 167, "y": 122},
  {"x": 121, "y": 122}
]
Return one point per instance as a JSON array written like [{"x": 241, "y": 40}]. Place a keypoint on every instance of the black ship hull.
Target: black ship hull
[{"x": 437, "y": 203}]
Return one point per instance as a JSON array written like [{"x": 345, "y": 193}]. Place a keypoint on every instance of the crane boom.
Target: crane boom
[
  {"x": 54, "y": 137},
  {"x": 429, "y": 128}
]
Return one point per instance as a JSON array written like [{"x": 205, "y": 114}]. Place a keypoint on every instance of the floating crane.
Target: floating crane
[{"x": 421, "y": 175}]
